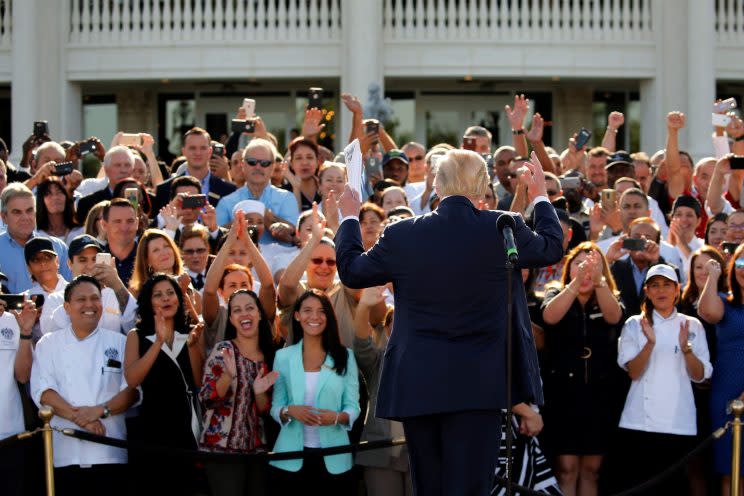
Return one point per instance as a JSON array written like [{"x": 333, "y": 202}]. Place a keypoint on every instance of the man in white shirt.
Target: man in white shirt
[
  {"x": 78, "y": 372},
  {"x": 119, "y": 306},
  {"x": 15, "y": 365}
]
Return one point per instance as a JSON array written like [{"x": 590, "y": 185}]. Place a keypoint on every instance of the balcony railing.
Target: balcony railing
[
  {"x": 730, "y": 22},
  {"x": 519, "y": 20},
  {"x": 205, "y": 22}
]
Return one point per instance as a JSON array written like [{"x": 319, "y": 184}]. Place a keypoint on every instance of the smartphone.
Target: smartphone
[
  {"x": 729, "y": 247},
  {"x": 371, "y": 126},
  {"x": 38, "y": 299},
  {"x": 315, "y": 98},
  {"x": 218, "y": 150},
  {"x": 62, "y": 169},
  {"x": 468, "y": 143},
  {"x": 128, "y": 139},
  {"x": 13, "y": 301},
  {"x": 720, "y": 120},
  {"x": 570, "y": 183},
  {"x": 41, "y": 128},
  {"x": 194, "y": 201},
  {"x": 373, "y": 167},
  {"x": 132, "y": 195},
  {"x": 87, "y": 147},
  {"x": 103, "y": 258},
  {"x": 736, "y": 162},
  {"x": 253, "y": 233},
  {"x": 250, "y": 107},
  {"x": 634, "y": 244},
  {"x": 582, "y": 138},
  {"x": 608, "y": 198},
  {"x": 725, "y": 105},
  {"x": 243, "y": 126}
]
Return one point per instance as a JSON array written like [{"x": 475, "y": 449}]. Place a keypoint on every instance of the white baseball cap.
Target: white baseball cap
[
  {"x": 250, "y": 207},
  {"x": 662, "y": 270}
]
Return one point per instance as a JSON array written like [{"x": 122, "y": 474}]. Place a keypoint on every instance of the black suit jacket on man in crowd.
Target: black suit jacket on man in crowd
[
  {"x": 622, "y": 272},
  {"x": 88, "y": 202}
]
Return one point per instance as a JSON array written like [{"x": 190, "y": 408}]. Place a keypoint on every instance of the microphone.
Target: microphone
[{"x": 506, "y": 225}]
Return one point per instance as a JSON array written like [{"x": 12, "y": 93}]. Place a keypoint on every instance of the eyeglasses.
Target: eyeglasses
[
  {"x": 739, "y": 263},
  {"x": 263, "y": 163},
  {"x": 195, "y": 251},
  {"x": 328, "y": 261},
  {"x": 417, "y": 157}
]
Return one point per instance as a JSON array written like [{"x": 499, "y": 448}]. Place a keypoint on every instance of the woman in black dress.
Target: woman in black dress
[
  {"x": 581, "y": 410},
  {"x": 165, "y": 359}
]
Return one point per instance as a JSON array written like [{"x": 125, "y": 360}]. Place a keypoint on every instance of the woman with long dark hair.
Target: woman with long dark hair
[
  {"x": 726, "y": 311},
  {"x": 663, "y": 351},
  {"x": 164, "y": 356},
  {"x": 55, "y": 211},
  {"x": 316, "y": 400},
  {"x": 235, "y": 394}
]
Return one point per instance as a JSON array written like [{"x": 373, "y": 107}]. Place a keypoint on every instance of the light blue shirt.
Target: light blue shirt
[
  {"x": 13, "y": 263},
  {"x": 281, "y": 202},
  {"x": 639, "y": 276}
]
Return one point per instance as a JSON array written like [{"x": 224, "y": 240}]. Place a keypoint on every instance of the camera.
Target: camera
[
  {"x": 243, "y": 126},
  {"x": 194, "y": 201},
  {"x": 62, "y": 169}
]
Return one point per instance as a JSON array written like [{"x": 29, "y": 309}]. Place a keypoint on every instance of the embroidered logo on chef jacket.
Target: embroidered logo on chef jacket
[
  {"x": 111, "y": 353},
  {"x": 6, "y": 334}
]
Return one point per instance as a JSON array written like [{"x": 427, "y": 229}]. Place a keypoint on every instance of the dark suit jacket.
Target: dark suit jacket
[
  {"x": 87, "y": 202},
  {"x": 622, "y": 272},
  {"x": 217, "y": 189},
  {"x": 447, "y": 350}
]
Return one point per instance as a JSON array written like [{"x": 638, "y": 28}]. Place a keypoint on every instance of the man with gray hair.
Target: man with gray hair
[
  {"x": 19, "y": 216},
  {"x": 444, "y": 373},
  {"x": 482, "y": 137},
  {"x": 42, "y": 164},
  {"x": 118, "y": 163}
]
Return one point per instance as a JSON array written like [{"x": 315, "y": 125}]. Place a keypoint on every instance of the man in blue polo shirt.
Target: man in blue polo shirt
[
  {"x": 258, "y": 164},
  {"x": 19, "y": 216}
]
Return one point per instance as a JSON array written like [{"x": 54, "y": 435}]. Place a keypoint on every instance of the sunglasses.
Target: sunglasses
[
  {"x": 318, "y": 261},
  {"x": 195, "y": 251},
  {"x": 263, "y": 163},
  {"x": 417, "y": 157},
  {"x": 550, "y": 192},
  {"x": 739, "y": 263}
]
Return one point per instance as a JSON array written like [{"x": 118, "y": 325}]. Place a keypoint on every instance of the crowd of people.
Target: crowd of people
[{"x": 196, "y": 306}]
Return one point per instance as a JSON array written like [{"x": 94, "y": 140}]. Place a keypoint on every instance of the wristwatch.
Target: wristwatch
[
  {"x": 285, "y": 411},
  {"x": 688, "y": 348},
  {"x": 106, "y": 412}
]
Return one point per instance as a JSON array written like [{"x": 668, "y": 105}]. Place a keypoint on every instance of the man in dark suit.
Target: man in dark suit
[
  {"x": 197, "y": 149},
  {"x": 444, "y": 372},
  {"x": 118, "y": 163}
]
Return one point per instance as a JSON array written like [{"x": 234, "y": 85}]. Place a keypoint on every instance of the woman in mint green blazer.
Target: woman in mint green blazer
[{"x": 316, "y": 401}]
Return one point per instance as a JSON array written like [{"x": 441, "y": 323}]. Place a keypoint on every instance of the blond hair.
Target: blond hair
[{"x": 461, "y": 172}]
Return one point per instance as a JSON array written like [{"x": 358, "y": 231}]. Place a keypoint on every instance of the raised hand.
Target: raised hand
[
  {"x": 684, "y": 334},
  {"x": 209, "y": 217},
  {"x": 170, "y": 215},
  {"x": 648, "y": 330},
  {"x": 713, "y": 268},
  {"x": 196, "y": 333},
  {"x": 675, "y": 120},
  {"x": 330, "y": 207},
  {"x": 372, "y": 296},
  {"x": 536, "y": 131},
  {"x": 312, "y": 126},
  {"x": 517, "y": 114},
  {"x": 616, "y": 251},
  {"x": 26, "y": 317},
  {"x": 735, "y": 128},
  {"x": 184, "y": 282},
  {"x": 349, "y": 203},
  {"x": 162, "y": 333},
  {"x": 228, "y": 357},
  {"x": 352, "y": 103},
  {"x": 534, "y": 178},
  {"x": 615, "y": 120},
  {"x": 652, "y": 251},
  {"x": 263, "y": 383}
]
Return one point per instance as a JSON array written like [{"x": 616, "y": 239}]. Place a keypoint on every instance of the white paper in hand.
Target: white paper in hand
[
  {"x": 353, "y": 155},
  {"x": 721, "y": 146}
]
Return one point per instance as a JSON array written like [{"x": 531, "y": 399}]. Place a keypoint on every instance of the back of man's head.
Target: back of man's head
[{"x": 461, "y": 172}]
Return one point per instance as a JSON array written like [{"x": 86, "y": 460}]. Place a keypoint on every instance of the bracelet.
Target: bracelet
[
  {"x": 612, "y": 129},
  {"x": 602, "y": 283},
  {"x": 740, "y": 138},
  {"x": 26, "y": 336},
  {"x": 517, "y": 131},
  {"x": 336, "y": 422}
]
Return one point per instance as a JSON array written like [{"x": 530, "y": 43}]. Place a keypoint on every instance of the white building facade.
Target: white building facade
[{"x": 96, "y": 66}]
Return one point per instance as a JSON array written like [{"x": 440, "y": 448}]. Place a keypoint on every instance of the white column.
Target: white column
[
  {"x": 24, "y": 90},
  {"x": 668, "y": 90},
  {"x": 40, "y": 89},
  {"x": 362, "y": 56},
  {"x": 701, "y": 79}
]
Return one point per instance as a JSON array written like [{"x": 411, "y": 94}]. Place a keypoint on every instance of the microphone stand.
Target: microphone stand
[{"x": 509, "y": 414}]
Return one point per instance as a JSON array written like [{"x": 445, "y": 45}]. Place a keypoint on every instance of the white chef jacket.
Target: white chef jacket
[
  {"x": 661, "y": 399},
  {"x": 83, "y": 373},
  {"x": 54, "y": 317},
  {"x": 11, "y": 408}
]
